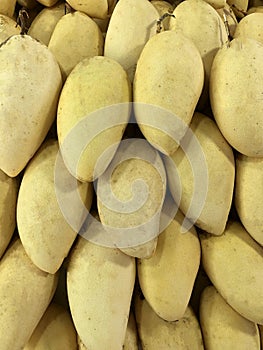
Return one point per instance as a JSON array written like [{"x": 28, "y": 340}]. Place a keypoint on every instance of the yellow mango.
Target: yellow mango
[
  {"x": 30, "y": 84},
  {"x": 46, "y": 234},
  {"x": 204, "y": 168},
  {"x": 7, "y": 7},
  {"x": 54, "y": 331},
  {"x": 167, "y": 85},
  {"x": 239, "y": 7},
  {"x": 200, "y": 23},
  {"x": 255, "y": 9},
  {"x": 155, "y": 333},
  {"x": 236, "y": 91},
  {"x": 104, "y": 118},
  {"x": 8, "y": 27},
  {"x": 130, "y": 212},
  {"x": 234, "y": 264},
  {"x": 131, "y": 25},
  {"x": 25, "y": 293},
  {"x": 248, "y": 194},
  {"x": 251, "y": 26},
  {"x": 97, "y": 9},
  {"x": 229, "y": 18},
  {"x": 45, "y": 22},
  {"x": 48, "y": 3},
  {"x": 131, "y": 339},
  {"x": 75, "y": 37},
  {"x": 9, "y": 190},
  {"x": 224, "y": 328},
  {"x": 167, "y": 278},
  {"x": 100, "y": 283},
  {"x": 163, "y": 7}
]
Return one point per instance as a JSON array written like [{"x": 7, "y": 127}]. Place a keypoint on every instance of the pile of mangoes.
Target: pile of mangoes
[{"x": 131, "y": 175}]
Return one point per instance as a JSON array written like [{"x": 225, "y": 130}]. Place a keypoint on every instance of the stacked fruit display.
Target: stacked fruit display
[{"x": 131, "y": 174}]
